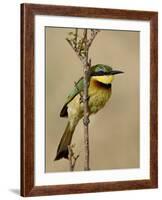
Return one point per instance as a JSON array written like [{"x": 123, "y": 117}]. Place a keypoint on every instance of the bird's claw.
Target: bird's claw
[{"x": 86, "y": 121}]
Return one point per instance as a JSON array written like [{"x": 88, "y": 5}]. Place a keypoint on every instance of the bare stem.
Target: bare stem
[
  {"x": 82, "y": 49},
  {"x": 76, "y": 36},
  {"x": 93, "y": 35},
  {"x": 86, "y": 77},
  {"x": 72, "y": 158}
]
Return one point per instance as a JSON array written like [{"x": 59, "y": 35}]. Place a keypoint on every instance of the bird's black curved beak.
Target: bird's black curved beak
[{"x": 114, "y": 72}]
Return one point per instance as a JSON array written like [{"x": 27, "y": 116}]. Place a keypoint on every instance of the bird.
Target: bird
[{"x": 99, "y": 92}]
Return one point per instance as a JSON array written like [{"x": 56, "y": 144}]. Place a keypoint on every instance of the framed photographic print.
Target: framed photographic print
[{"x": 88, "y": 99}]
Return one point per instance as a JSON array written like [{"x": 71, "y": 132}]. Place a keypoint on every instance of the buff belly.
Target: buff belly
[
  {"x": 98, "y": 100},
  {"x": 98, "y": 96}
]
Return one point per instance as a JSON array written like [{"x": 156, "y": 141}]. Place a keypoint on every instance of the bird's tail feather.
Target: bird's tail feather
[{"x": 62, "y": 150}]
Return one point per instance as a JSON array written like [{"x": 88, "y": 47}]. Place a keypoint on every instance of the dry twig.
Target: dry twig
[
  {"x": 72, "y": 157},
  {"x": 81, "y": 48}
]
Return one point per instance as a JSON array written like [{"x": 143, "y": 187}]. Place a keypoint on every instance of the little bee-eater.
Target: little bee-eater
[{"x": 99, "y": 92}]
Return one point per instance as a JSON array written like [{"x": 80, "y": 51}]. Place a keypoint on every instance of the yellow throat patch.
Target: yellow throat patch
[{"x": 104, "y": 79}]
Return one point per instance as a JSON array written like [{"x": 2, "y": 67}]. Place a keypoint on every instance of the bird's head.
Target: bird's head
[{"x": 103, "y": 73}]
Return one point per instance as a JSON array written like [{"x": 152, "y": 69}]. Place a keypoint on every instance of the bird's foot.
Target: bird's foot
[
  {"x": 85, "y": 99},
  {"x": 86, "y": 121}
]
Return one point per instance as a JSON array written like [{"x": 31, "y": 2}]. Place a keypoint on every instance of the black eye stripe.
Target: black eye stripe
[{"x": 99, "y": 73}]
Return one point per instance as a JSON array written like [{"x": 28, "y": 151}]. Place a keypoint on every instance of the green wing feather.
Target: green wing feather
[{"x": 76, "y": 90}]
